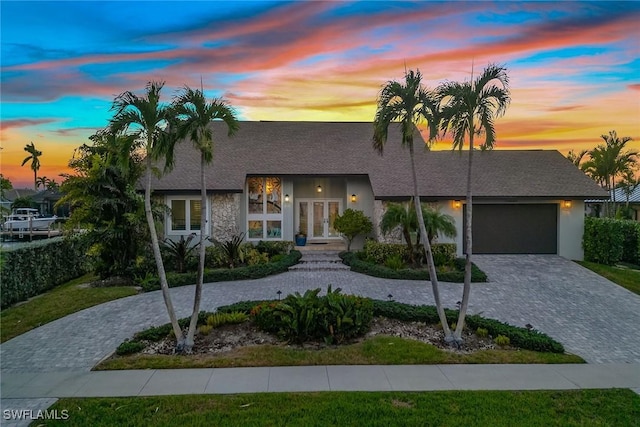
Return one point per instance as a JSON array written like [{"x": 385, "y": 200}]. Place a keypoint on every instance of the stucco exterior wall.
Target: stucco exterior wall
[{"x": 571, "y": 230}]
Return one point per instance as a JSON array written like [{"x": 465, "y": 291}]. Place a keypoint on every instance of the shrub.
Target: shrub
[
  {"x": 394, "y": 262},
  {"x": 378, "y": 253},
  {"x": 129, "y": 347},
  {"x": 482, "y": 332},
  {"x": 205, "y": 329},
  {"x": 351, "y": 224},
  {"x": 39, "y": 266},
  {"x": 179, "y": 251},
  {"x": 603, "y": 240},
  {"x": 254, "y": 257},
  {"x": 502, "y": 341},
  {"x": 379, "y": 270},
  {"x": 520, "y": 337},
  {"x": 154, "y": 334},
  {"x": 225, "y": 274},
  {"x": 443, "y": 253},
  {"x": 273, "y": 248},
  {"x": 232, "y": 254},
  {"x": 218, "y": 319},
  {"x": 214, "y": 257},
  {"x": 631, "y": 242},
  {"x": 334, "y": 317}
]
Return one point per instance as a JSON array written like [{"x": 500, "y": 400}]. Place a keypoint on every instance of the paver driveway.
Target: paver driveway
[{"x": 591, "y": 316}]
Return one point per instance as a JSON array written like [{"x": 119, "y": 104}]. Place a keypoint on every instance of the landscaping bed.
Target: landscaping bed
[
  {"x": 395, "y": 334},
  {"x": 390, "y": 261}
]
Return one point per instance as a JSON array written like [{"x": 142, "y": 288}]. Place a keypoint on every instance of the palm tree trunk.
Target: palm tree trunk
[
  {"x": 200, "y": 277},
  {"x": 466, "y": 289},
  {"x": 433, "y": 276},
  {"x": 155, "y": 245}
]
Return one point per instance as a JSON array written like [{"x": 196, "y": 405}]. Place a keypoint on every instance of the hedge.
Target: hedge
[
  {"x": 520, "y": 337},
  {"x": 33, "y": 269},
  {"x": 608, "y": 241},
  {"x": 226, "y": 274},
  {"x": 378, "y": 252},
  {"x": 457, "y": 276}
]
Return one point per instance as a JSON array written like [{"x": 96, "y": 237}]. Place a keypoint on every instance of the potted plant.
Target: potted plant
[{"x": 301, "y": 238}]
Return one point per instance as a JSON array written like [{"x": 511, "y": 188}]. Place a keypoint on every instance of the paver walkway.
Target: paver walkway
[{"x": 591, "y": 316}]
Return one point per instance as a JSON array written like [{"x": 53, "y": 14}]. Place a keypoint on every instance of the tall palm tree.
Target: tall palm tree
[
  {"x": 195, "y": 114},
  {"x": 469, "y": 109},
  {"x": 34, "y": 157},
  {"x": 150, "y": 121},
  {"x": 407, "y": 104}
]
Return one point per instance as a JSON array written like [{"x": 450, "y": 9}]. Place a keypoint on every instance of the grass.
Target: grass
[
  {"x": 627, "y": 277},
  {"x": 379, "y": 350},
  {"x": 55, "y": 304},
  {"x": 450, "y": 408}
]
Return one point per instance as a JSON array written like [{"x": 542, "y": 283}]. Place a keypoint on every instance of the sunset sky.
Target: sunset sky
[{"x": 574, "y": 66}]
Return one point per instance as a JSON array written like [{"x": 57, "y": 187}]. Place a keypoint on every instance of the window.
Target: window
[
  {"x": 264, "y": 208},
  {"x": 185, "y": 215}
]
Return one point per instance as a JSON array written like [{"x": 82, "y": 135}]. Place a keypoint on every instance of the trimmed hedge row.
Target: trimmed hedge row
[
  {"x": 225, "y": 274},
  {"x": 520, "y": 337},
  {"x": 31, "y": 270},
  {"x": 608, "y": 241},
  {"x": 351, "y": 259},
  {"x": 378, "y": 252}
]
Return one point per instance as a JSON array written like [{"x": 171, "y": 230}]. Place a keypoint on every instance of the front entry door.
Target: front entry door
[{"x": 316, "y": 217}]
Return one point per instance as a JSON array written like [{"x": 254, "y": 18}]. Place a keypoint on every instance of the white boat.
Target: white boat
[{"x": 25, "y": 219}]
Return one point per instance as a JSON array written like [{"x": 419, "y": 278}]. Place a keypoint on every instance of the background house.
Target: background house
[{"x": 273, "y": 179}]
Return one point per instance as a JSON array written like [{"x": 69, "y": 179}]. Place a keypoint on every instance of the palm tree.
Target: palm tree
[
  {"x": 469, "y": 109},
  {"x": 407, "y": 104},
  {"x": 401, "y": 215},
  {"x": 195, "y": 115},
  {"x": 608, "y": 161},
  {"x": 576, "y": 158},
  {"x": 42, "y": 180},
  {"x": 34, "y": 157},
  {"x": 146, "y": 118}
]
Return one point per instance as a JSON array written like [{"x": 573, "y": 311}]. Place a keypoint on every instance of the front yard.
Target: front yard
[{"x": 625, "y": 275}]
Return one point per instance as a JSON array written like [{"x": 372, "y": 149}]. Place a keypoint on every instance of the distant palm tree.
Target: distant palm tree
[
  {"x": 34, "y": 158},
  {"x": 469, "y": 109},
  {"x": 195, "y": 115},
  {"x": 149, "y": 120},
  {"x": 41, "y": 181},
  {"x": 407, "y": 104},
  {"x": 576, "y": 158},
  {"x": 609, "y": 161}
]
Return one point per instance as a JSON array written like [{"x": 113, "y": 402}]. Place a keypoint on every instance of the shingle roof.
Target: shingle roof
[
  {"x": 344, "y": 148},
  {"x": 621, "y": 196}
]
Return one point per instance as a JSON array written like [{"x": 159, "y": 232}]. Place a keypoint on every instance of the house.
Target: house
[
  {"x": 273, "y": 179},
  {"x": 622, "y": 198}
]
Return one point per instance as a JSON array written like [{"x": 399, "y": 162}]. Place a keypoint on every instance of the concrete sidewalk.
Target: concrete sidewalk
[{"x": 318, "y": 378}]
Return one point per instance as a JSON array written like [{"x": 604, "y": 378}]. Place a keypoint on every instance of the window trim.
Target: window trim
[
  {"x": 168, "y": 227},
  {"x": 264, "y": 217}
]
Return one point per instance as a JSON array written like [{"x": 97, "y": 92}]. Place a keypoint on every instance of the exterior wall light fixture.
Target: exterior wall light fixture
[
  {"x": 286, "y": 198},
  {"x": 457, "y": 204},
  {"x": 354, "y": 198},
  {"x": 319, "y": 188},
  {"x": 566, "y": 204}
]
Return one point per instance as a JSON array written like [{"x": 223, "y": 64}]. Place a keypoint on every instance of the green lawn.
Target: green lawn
[
  {"x": 450, "y": 408},
  {"x": 627, "y": 276},
  {"x": 380, "y": 350},
  {"x": 55, "y": 304}
]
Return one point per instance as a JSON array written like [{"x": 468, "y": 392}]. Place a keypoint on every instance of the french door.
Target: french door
[{"x": 316, "y": 217}]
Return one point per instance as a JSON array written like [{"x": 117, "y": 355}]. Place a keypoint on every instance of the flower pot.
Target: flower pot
[{"x": 301, "y": 239}]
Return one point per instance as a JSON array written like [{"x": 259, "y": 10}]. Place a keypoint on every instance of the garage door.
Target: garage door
[{"x": 515, "y": 229}]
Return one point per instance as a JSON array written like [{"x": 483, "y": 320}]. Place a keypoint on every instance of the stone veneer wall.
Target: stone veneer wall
[
  {"x": 225, "y": 215},
  {"x": 395, "y": 236}
]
